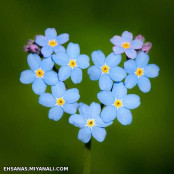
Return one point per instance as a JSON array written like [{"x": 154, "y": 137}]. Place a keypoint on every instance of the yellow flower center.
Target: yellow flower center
[
  {"x": 118, "y": 103},
  {"x": 90, "y": 123},
  {"x": 105, "y": 68},
  {"x": 60, "y": 101},
  {"x": 39, "y": 73},
  {"x": 126, "y": 45},
  {"x": 139, "y": 72},
  {"x": 52, "y": 43},
  {"x": 72, "y": 63}
]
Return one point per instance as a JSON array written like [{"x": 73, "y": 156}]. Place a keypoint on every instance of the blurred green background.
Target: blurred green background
[{"x": 29, "y": 138}]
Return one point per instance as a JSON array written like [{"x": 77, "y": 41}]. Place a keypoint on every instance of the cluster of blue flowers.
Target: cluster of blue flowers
[{"x": 114, "y": 81}]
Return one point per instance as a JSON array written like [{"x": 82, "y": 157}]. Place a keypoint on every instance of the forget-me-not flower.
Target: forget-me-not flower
[
  {"x": 118, "y": 104},
  {"x": 89, "y": 122},
  {"x": 139, "y": 72},
  {"x": 106, "y": 70},
  {"x": 51, "y": 42},
  {"x": 72, "y": 63},
  {"x": 40, "y": 74},
  {"x": 126, "y": 44},
  {"x": 60, "y": 101}
]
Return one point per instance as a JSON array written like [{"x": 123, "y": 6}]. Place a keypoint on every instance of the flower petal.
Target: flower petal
[
  {"x": 73, "y": 50},
  {"x": 77, "y": 120},
  {"x": 100, "y": 123},
  {"x": 144, "y": 84},
  {"x": 105, "y": 82},
  {"x": 83, "y": 61},
  {"x": 27, "y": 77},
  {"x": 47, "y": 100},
  {"x": 59, "y": 48},
  {"x": 72, "y": 95},
  {"x": 99, "y": 133},
  {"x": 137, "y": 44},
  {"x": 76, "y": 75},
  {"x": 47, "y": 64},
  {"x": 151, "y": 70},
  {"x": 94, "y": 72},
  {"x": 50, "y": 78},
  {"x": 119, "y": 91},
  {"x": 62, "y": 38},
  {"x": 55, "y": 113},
  {"x": 131, "y": 101},
  {"x": 39, "y": 86},
  {"x": 118, "y": 49},
  {"x": 131, "y": 53},
  {"x": 142, "y": 59},
  {"x": 95, "y": 109},
  {"x": 64, "y": 73},
  {"x": 98, "y": 58},
  {"x": 58, "y": 90},
  {"x": 61, "y": 58},
  {"x": 127, "y": 36},
  {"x": 131, "y": 81},
  {"x": 84, "y": 110},
  {"x": 130, "y": 66},
  {"x": 117, "y": 40},
  {"x": 124, "y": 116},
  {"x": 84, "y": 134},
  {"x": 41, "y": 40},
  {"x": 34, "y": 61},
  {"x": 113, "y": 59},
  {"x": 117, "y": 73},
  {"x": 47, "y": 51},
  {"x": 70, "y": 108},
  {"x": 50, "y": 33},
  {"x": 108, "y": 113},
  {"x": 106, "y": 97}
]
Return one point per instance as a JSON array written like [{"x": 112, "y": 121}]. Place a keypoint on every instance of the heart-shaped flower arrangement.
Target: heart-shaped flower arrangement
[{"x": 115, "y": 102}]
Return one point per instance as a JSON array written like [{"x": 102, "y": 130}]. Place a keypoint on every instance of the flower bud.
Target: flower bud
[
  {"x": 32, "y": 47},
  {"x": 30, "y": 42},
  {"x": 146, "y": 47},
  {"x": 140, "y": 37},
  {"x": 26, "y": 48}
]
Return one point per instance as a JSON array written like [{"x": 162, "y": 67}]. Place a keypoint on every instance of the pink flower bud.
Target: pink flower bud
[
  {"x": 34, "y": 48},
  {"x": 146, "y": 47},
  {"x": 26, "y": 48},
  {"x": 30, "y": 42},
  {"x": 140, "y": 37}
]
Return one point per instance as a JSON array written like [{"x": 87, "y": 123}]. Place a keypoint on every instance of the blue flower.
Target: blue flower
[
  {"x": 126, "y": 44},
  {"x": 118, "y": 104},
  {"x": 40, "y": 73},
  {"x": 51, "y": 42},
  {"x": 60, "y": 101},
  {"x": 71, "y": 63},
  {"x": 89, "y": 122},
  {"x": 139, "y": 72},
  {"x": 106, "y": 70}
]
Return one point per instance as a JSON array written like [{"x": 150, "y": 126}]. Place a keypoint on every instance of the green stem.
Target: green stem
[{"x": 87, "y": 158}]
